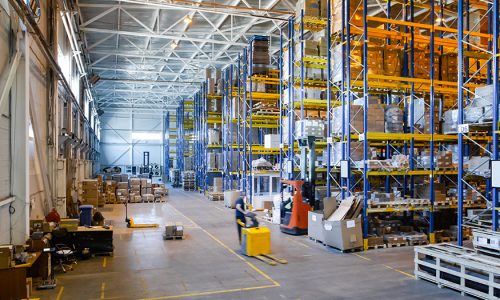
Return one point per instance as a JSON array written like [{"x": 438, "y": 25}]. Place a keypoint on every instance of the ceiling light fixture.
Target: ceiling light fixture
[
  {"x": 188, "y": 20},
  {"x": 173, "y": 45}
]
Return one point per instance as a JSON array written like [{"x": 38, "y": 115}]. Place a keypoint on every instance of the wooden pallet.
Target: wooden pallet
[
  {"x": 417, "y": 243},
  {"x": 173, "y": 238},
  {"x": 216, "y": 196},
  {"x": 392, "y": 245},
  {"x": 379, "y": 246}
]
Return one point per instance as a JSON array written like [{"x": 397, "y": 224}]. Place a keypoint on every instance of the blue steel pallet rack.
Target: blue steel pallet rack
[
  {"x": 490, "y": 53},
  {"x": 292, "y": 39},
  {"x": 204, "y": 120},
  {"x": 408, "y": 88},
  {"x": 240, "y": 122}
]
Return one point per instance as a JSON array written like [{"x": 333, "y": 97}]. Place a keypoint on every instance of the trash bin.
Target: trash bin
[{"x": 86, "y": 215}]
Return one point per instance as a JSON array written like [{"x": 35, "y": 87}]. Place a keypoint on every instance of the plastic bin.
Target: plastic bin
[{"x": 86, "y": 215}]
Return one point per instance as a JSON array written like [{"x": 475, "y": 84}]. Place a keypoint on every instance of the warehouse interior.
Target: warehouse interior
[{"x": 249, "y": 149}]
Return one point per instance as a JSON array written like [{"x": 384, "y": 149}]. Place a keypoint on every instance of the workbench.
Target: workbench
[
  {"x": 97, "y": 239},
  {"x": 13, "y": 279}
]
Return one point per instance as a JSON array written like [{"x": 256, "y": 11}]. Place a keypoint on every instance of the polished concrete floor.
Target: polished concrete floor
[{"x": 207, "y": 263}]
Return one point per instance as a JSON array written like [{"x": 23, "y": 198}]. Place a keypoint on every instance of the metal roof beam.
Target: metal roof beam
[{"x": 159, "y": 36}]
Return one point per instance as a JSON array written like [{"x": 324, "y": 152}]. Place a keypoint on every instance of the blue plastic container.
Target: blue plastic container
[{"x": 86, "y": 215}]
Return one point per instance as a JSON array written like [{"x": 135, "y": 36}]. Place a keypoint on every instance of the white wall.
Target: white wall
[{"x": 117, "y": 146}]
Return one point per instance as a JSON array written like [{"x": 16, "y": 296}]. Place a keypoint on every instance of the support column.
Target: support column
[{"x": 20, "y": 150}]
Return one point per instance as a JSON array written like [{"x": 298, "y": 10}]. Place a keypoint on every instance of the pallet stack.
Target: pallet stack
[
  {"x": 90, "y": 192},
  {"x": 189, "y": 180}
]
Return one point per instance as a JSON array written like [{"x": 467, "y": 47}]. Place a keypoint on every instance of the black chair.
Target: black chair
[{"x": 64, "y": 253}]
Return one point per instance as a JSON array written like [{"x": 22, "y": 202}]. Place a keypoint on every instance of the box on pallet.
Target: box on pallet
[
  {"x": 356, "y": 14},
  {"x": 271, "y": 141},
  {"x": 392, "y": 60},
  {"x": 422, "y": 58}
]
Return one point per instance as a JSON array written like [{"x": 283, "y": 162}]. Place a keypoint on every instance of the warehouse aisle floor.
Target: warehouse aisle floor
[{"x": 207, "y": 263}]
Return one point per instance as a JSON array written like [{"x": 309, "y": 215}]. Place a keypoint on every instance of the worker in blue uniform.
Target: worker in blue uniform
[{"x": 240, "y": 215}]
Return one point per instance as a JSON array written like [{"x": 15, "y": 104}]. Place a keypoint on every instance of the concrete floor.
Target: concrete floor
[{"x": 207, "y": 263}]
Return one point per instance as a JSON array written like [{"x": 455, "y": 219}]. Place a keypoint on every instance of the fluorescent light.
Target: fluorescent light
[
  {"x": 188, "y": 20},
  {"x": 146, "y": 136}
]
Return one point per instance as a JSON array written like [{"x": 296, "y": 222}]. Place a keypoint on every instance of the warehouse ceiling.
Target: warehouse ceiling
[{"x": 151, "y": 54}]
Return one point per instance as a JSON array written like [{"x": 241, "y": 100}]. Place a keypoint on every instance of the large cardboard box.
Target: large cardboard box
[
  {"x": 315, "y": 226},
  {"x": 344, "y": 234},
  {"x": 122, "y": 185},
  {"x": 6, "y": 256},
  {"x": 392, "y": 60},
  {"x": 90, "y": 183}
]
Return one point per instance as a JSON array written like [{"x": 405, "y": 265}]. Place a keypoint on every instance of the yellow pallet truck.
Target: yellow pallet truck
[
  {"x": 256, "y": 241},
  {"x": 131, "y": 224}
]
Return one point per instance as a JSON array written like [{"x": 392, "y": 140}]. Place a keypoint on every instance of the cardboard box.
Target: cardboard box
[
  {"x": 69, "y": 224},
  {"x": 315, "y": 226},
  {"x": 267, "y": 204},
  {"x": 343, "y": 234},
  {"x": 87, "y": 193},
  {"x": 90, "y": 183},
  {"x": 6, "y": 256},
  {"x": 122, "y": 185}
]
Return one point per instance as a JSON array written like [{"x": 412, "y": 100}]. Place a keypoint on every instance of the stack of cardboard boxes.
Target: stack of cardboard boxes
[
  {"x": 90, "y": 192},
  {"x": 122, "y": 194},
  {"x": 260, "y": 55},
  {"x": 110, "y": 191},
  {"x": 356, "y": 14},
  {"x": 146, "y": 190},
  {"x": 135, "y": 190}
]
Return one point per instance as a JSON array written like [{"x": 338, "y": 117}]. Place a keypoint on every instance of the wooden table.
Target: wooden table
[{"x": 13, "y": 280}]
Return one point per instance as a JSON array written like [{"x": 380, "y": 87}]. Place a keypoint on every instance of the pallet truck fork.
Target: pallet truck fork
[{"x": 256, "y": 241}]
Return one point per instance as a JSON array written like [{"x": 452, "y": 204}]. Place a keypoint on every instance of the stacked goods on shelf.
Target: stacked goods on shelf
[
  {"x": 392, "y": 60},
  {"x": 110, "y": 187},
  {"x": 214, "y": 136},
  {"x": 175, "y": 175},
  {"x": 312, "y": 8},
  {"x": 135, "y": 190},
  {"x": 213, "y": 80},
  {"x": 422, "y": 63},
  {"x": 449, "y": 67},
  {"x": 91, "y": 192},
  {"x": 356, "y": 17},
  {"x": 188, "y": 163},
  {"x": 356, "y": 120},
  {"x": 393, "y": 116},
  {"x": 260, "y": 55},
  {"x": 271, "y": 141},
  {"x": 189, "y": 180}
]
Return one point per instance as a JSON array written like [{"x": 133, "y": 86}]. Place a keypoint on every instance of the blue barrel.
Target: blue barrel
[{"x": 86, "y": 215}]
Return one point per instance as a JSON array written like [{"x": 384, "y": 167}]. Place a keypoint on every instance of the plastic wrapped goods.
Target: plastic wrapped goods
[
  {"x": 214, "y": 136},
  {"x": 450, "y": 124},
  {"x": 211, "y": 161},
  {"x": 393, "y": 119}
]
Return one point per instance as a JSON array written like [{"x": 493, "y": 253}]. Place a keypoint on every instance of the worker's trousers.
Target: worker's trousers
[{"x": 238, "y": 226}]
